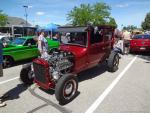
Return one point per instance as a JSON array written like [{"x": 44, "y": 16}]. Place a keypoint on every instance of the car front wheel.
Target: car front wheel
[{"x": 66, "y": 88}]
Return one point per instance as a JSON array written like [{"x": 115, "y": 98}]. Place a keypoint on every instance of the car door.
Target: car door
[
  {"x": 31, "y": 49},
  {"x": 95, "y": 48},
  {"x": 107, "y": 36}
]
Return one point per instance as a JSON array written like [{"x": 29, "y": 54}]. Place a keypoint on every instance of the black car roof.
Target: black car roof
[
  {"x": 80, "y": 28},
  {"x": 72, "y": 29}
]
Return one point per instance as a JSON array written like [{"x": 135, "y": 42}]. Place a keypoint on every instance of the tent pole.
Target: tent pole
[{"x": 51, "y": 33}]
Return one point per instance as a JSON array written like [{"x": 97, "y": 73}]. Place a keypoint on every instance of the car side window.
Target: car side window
[
  {"x": 107, "y": 34},
  {"x": 31, "y": 41},
  {"x": 96, "y": 36}
]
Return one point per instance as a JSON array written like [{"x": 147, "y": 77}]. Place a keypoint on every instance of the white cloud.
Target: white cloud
[
  {"x": 40, "y": 13},
  {"x": 122, "y": 5}
]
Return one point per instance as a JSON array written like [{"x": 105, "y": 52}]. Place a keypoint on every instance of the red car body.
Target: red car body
[
  {"x": 140, "y": 43},
  {"x": 85, "y": 56}
]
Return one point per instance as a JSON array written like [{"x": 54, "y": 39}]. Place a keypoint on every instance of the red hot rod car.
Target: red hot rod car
[{"x": 81, "y": 48}]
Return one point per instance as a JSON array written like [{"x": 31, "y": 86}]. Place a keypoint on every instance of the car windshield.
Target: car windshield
[
  {"x": 141, "y": 37},
  {"x": 5, "y": 40},
  {"x": 18, "y": 41},
  {"x": 74, "y": 38}
]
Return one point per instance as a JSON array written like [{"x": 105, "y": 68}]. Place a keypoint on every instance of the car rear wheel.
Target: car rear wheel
[
  {"x": 27, "y": 75},
  {"x": 7, "y": 61},
  {"x": 66, "y": 88},
  {"x": 113, "y": 62}
]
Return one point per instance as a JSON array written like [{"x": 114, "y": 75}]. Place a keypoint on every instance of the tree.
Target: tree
[
  {"x": 3, "y": 18},
  {"x": 129, "y": 27},
  {"x": 146, "y": 23},
  {"x": 112, "y": 22},
  {"x": 81, "y": 15},
  {"x": 97, "y": 14}
]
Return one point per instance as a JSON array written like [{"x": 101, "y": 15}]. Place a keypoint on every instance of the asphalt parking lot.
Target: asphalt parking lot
[{"x": 125, "y": 91}]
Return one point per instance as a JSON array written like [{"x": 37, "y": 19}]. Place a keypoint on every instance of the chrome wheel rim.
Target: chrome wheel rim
[
  {"x": 69, "y": 89},
  {"x": 30, "y": 74},
  {"x": 116, "y": 61},
  {"x": 6, "y": 62}
]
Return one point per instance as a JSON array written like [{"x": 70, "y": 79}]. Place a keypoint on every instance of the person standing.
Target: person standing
[
  {"x": 127, "y": 38},
  {"x": 43, "y": 45},
  {"x": 56, "y": 37},
  {"x": 2, "y": 104}
]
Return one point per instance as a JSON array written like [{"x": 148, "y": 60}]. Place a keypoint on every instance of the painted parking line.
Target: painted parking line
[
  {"x": 99, "y": 100},
  {"x": 3, "y": 82}
]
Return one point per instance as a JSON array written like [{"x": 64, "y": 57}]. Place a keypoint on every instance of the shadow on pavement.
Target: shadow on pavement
[
  {"x": 93, "y": 72},
  {"x": 47, "y": 103},
  {"x": 142, "y": 55},
  {"x": 15, "y": 92}
]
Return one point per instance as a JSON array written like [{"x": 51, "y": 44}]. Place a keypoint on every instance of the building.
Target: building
[{"x": 17, "y": 27}]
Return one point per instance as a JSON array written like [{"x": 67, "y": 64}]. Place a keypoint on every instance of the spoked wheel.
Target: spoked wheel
[
  {"x": 66, "y": 88},
  {"x": 113, "y": 62},
  {"x": 7, "y": 61}
]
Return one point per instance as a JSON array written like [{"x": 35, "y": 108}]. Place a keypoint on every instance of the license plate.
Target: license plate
[{"x": 142, "y": 48}]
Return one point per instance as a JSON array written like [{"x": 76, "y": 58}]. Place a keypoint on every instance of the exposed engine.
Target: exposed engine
[{"x": 60, "y": 62}]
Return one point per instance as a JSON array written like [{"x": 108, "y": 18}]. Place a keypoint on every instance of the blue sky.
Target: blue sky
[{"x": 42, "y": 12}]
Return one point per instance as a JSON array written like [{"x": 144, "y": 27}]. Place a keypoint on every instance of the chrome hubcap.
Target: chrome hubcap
[
  {"x": 116, "y": 60},
  {"x": 30, "y": 74},
  {"x": 6, "y": 62},
  {"x": 69, "y": 89}
]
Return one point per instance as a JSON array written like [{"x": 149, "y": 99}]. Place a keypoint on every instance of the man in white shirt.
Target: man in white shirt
[
  {"x": 127, "y": 38},
  {"x": 43, "y": 45}
]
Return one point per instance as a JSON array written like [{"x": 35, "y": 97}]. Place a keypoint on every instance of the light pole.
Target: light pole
[{"x": 26, "y": 14}]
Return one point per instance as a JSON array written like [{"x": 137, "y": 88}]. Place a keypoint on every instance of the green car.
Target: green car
[{"x": 23, "y": 48}]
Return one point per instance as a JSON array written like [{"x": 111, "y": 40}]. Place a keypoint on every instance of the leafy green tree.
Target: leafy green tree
[
  {"x": 75, "y": 15},
  {"x": 97, "y": 14},
  {"x": 3, "y": 18},
  {"x": 146, "y": 23},
  {"x": 112, "y": 22}
]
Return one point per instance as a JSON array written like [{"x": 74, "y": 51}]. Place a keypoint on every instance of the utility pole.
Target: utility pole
[{"x": 26, "y": 14}]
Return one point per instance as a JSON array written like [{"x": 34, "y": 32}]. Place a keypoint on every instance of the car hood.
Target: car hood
[
  {"x": 76, "y": 50},
  {"x": 11, "y": 47}
]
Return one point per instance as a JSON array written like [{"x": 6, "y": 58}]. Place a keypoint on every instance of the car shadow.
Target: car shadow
[
  {"x": 15, "y": 92},
  {"x": 93, "y": 72},
  {"x": 47, "y": 101},
  {"x": 143, "y": 55}
]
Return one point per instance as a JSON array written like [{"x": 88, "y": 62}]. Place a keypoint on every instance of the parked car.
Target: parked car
[
  {"x": 5, "y": 40},
  {"x": 140, "y": 43},
  {"x": 22, "y": 48},
  {"x": 81, "y": 48}
]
